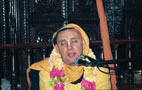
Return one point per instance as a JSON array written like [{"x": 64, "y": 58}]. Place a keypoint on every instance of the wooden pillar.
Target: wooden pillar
[{"x": 14, "y": 81}]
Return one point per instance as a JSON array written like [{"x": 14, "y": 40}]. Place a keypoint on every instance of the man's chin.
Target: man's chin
[{"x": 72, "y": 64}]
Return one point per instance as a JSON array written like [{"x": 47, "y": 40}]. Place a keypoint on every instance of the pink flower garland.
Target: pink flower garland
[
  {"x": 59, "y": 87},
  {"x": 88, "y": 85},
  {"x": 58, "y": 77},
  {"x": 61, "y": 78},
  {"x": 57, "y": 72}
]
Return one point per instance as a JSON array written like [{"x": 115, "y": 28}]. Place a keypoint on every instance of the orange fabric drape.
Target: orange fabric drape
[{"x": 105, "y": 40}]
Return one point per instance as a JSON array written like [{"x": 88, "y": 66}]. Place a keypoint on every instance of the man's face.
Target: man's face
[{"x": 70, "y": 45}]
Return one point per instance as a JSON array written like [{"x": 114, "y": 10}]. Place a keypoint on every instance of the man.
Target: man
[{"x": 59, "y": 72}]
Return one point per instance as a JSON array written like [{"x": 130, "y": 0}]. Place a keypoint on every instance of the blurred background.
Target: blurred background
[{"x": 27, "y": 26}]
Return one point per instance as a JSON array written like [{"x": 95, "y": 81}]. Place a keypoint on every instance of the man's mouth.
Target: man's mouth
[{"x": 71, "y": 55}]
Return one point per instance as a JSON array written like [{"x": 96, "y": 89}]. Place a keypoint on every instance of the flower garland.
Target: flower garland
[{"x": 58, "y": 79}]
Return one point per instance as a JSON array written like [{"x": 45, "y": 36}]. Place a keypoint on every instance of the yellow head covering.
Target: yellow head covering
[{"x": 83, "y": 34}]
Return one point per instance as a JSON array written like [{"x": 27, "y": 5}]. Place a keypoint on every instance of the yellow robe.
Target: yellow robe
[{"x": 102, "y": 82}]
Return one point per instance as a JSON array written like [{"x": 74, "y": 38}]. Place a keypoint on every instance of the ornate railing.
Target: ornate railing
[{"x": 16, "y": 58}]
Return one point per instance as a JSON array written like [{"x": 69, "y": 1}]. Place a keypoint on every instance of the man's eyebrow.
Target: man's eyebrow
[
  {"x": 73, "y": 38},
  {"x": 61, "y": 41}
]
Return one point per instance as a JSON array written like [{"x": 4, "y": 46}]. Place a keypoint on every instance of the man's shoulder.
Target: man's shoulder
[
  {"x": 42, "y": 61},
  {"x": 40, "y": 65}
]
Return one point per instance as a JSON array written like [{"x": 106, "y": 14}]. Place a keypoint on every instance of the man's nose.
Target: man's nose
[{"x": 69, "y": 46}]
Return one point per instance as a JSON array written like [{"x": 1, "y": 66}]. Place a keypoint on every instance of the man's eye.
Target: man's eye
[
  {"x": 74, "y": 41},
  {"x": 62, "y": 43}
]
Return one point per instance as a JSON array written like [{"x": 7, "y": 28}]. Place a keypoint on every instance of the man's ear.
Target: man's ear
[
  {"x": 57, "y": 48},
  {"x": 84, "y": 44}
]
